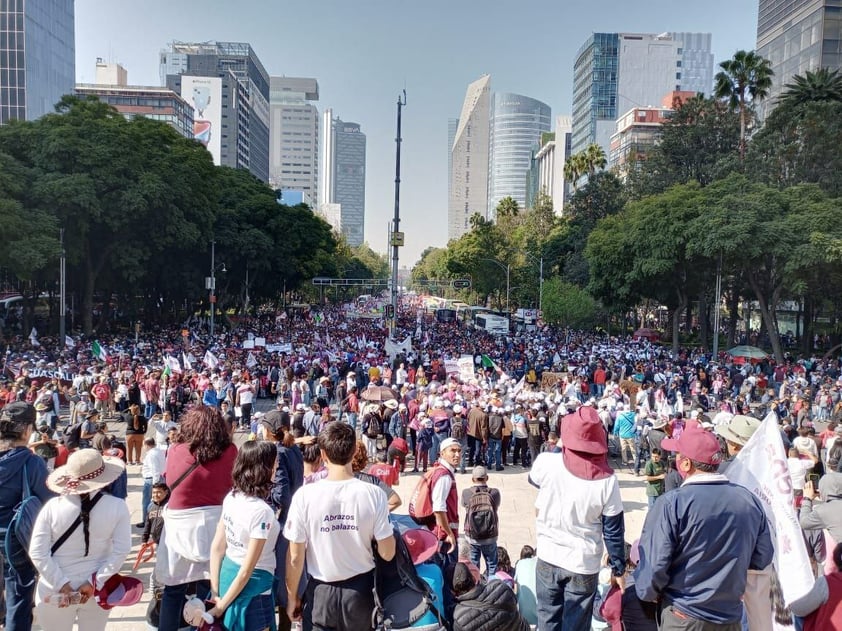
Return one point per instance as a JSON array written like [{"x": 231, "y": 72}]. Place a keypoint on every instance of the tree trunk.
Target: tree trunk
[
  {"x": 807, "y": 326},
  {"x": 733, "y": 314},
  {"x": 676, "y": 322},
  {"x": 768, "y": 316},
  {"x": 742, "y": 131},
  {"x": 88, "y": 297},
  {"x": 703, "y": 320}
]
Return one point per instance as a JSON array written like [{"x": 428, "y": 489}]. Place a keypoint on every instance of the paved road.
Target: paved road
[{"x": 517, "y": 518}]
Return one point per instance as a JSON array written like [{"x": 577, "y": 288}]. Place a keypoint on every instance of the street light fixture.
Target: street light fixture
[{"x": 508, "y": 269}]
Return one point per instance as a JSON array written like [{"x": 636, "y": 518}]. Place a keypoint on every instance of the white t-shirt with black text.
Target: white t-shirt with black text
[
  {"x": 338, "y": 519},
  {"x": 248, "y": 518}
]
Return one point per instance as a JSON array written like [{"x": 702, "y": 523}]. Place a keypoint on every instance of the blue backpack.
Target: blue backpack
[{"x": 19, "y": 533}]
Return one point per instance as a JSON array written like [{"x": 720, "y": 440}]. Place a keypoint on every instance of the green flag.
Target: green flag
[
  {"x": 99, "y": 351},
  {"x": 487, "y": 362}
]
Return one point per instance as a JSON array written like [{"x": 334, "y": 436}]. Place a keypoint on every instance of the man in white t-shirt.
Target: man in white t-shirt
[
  {"x": 579, "y": 507},
  {"x": 244, "y": 399},
  {"x": 332, "y": 524}
]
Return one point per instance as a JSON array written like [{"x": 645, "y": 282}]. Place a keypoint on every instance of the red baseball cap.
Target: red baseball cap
[{"x": 696, "y": 444}]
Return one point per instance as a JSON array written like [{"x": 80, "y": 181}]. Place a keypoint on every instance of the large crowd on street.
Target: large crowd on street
[{"x": 288, "y": 518}]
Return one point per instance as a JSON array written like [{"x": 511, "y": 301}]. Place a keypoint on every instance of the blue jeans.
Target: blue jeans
[
  {"x": 352, "y": 420},
  {"x": 495, "y": 455},
  {"x": 565, "y": 599},
  {"x": 488, "y": 551},
  {"x": 651, "y": 500},
  {"x": 463, "y": 461},
  {"x": 436, "y": 446},
  {"x": 19, "y": 599},
  {"x": 172, "y": 603},
  {"x": 146, "y": 497},
  {"x": 150, "y": 410}
]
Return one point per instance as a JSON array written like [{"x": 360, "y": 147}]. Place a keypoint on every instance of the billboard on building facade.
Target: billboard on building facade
[{"x": 205, "y": 95}]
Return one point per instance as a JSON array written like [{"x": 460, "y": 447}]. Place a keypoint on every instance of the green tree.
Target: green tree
[
  {"x": 574, "y": 168},
  {"x": 823, "y": 84},
  {"x": 565, "y": 304},
  {"x": 594, "y": 159},
  {"x": 698, "y": 137},
  {"x": 799, "y": 143},
  {"x": 744, "y": 80}
]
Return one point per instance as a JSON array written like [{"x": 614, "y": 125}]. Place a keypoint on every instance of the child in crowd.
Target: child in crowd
[
  {"x": 150, "y": 539},
  {"x": 655, "y": 473},
  {"x": 623, "y": 609},
  {"x": 384, "y": 471},
  {"x": 551, "y": 446},
  {"x": 313, "y": 469},
  {"x": 525, "y": 585},
  {"x": 425, "y": 443},
  {"x": 505, "y": 570}
]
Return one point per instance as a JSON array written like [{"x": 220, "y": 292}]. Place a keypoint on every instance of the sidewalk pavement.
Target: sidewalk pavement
[{"x": 517, "y": 518}]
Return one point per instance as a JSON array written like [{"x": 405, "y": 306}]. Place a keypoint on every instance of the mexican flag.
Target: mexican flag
[
  {"x": 487, "y": 362},
  {"x": 99, "y": 352}
]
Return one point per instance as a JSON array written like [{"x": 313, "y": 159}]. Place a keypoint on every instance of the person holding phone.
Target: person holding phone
[{"x": 825, "y": 514}]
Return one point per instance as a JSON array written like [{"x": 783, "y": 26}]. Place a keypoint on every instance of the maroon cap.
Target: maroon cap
[
  {"x": 583, "y": 431},
  {"x": 696, "y": 444}
]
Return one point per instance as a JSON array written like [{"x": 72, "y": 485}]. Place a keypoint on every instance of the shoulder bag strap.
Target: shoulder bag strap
[
  {"x": 182, "y": 477},
  {"x": 26, "y": 491},
  {"x": 72, "y": 528}
]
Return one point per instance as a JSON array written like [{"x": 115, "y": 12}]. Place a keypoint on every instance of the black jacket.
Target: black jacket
[{"x": 489, "y": 607}]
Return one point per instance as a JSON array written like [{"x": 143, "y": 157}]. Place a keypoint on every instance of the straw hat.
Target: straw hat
[{"x": 86, "y": 471}]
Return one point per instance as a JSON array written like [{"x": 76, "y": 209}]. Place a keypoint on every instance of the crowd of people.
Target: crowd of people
[{"x": 298, "y": 524}]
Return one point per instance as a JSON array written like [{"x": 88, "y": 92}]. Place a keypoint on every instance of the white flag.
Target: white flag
[
  {"x": 33, "y": 337},
  {"x": 187, "y": 363},
  {"x": 210, "y": 360},
  {"x": 251, "y": 362},
  {"x": 172, "y": 364},
  {"x": 761, "y": 468},
  {"x": 68, "y": 342}
]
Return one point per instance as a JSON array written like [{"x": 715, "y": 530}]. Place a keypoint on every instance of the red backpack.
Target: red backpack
[{"x": 421, "y": 503}]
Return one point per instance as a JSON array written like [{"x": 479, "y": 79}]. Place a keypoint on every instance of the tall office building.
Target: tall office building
[
  {"x": 614, "y": 72},
  {"x": 546, "y": 173},
  {"x": 229, "y": 90},
  {"x": 797, "y": 36},
  {"x": 37, "y": 56},
  {"x": 294, "y": 135},
  {"x": 469, "y": 160},
  {"x": 342, "y": 187},
  {"x": 516, "y": 124},
  {"x": 452, "y": 126},
  {"x": 112, "y": 87}
]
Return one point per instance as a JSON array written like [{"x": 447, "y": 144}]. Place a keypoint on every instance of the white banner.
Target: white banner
[
  {"x": 394, "y": 348},
  {"x": 761, "y": 468},
  {"x": 248, "y": 344},
  {"x": 260, "y": 341},
  {"x": 466, "y": 368},
  {"x": 451, "y": 367}
]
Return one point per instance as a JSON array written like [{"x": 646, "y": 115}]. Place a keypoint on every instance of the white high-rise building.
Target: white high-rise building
[
  {"x": 468, "y": 187},
  {"x": 294, "y": 135},
  {"x": 550, "y": 161}
]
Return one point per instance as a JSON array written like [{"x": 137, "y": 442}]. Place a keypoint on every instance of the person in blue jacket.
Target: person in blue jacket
[
  {"x": 700, "y": 540},
  {"x": 18, "y": 467}
]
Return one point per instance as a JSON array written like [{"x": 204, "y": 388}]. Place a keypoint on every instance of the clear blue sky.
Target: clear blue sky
[{"x": 363, "y": 52}]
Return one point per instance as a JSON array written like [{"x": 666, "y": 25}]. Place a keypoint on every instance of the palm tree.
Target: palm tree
[
  {"x": 574, "y": 168},
  {"x": 594, "y": 158},
  {"x": 822, "y": 85},
  {"x": 744, "y": 79}
]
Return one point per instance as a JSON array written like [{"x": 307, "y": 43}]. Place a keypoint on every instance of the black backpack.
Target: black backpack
[
  {"x": 372, "y": 428},
  {"x": 480, "y": 515},
  {"x": 72, "y": 435},
  {"x": 457, "y": 428},
  {"x": 401, "y": 596}
]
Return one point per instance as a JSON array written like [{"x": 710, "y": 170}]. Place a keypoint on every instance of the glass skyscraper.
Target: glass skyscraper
[
  {"x": 615, "y": 72},
  {"x": 797, "y": 36},
  {"x": 342, "y": 185},
  {"x": 37, "y": 56},
  {"x": 516, "y": 124}
]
